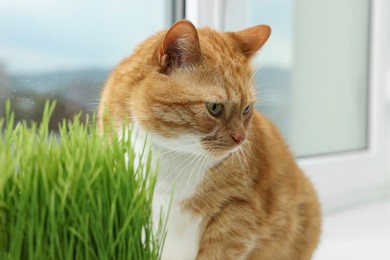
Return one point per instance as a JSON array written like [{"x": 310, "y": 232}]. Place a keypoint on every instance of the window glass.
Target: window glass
[
  {"x": 313, "y": 72},
  {"x": 65, "y": 50}
]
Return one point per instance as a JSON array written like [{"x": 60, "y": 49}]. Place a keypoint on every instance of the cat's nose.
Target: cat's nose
[{"x": 238, "y": 137}]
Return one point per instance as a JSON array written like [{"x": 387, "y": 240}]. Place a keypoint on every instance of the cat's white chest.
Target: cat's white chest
[
  {"x": 177, "y": 180},
  {"x": 183, "y": 232},
  {"x": 182, "y": 165}
]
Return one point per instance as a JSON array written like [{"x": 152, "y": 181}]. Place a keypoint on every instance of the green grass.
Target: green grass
[{"x": 72, "y": 195}]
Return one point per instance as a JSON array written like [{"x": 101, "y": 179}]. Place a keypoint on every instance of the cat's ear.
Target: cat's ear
[
  {"x": 180, "y": 46},
  {"x": 250, "y": 40}
]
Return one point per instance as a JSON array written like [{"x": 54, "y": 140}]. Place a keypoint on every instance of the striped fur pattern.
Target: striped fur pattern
[{"x": 247, "y": 199}]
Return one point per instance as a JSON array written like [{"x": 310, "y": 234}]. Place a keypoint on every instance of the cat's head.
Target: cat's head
[{"x": 200, "y": 96}]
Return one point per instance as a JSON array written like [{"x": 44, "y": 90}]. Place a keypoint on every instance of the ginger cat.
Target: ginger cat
[{"x": 238, "y": 193}]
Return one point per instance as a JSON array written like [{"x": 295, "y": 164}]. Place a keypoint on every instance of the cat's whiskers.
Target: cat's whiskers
[
  {"x": 202, "y": 156},
  {"x": 173, "y": 171},
  {"x": 262, "y": 91},
  {"x": 203, "y": 164},
  {"x": 169, "y": 157},
  {"x": 247, "y": 151},
  {"x": 269, "y": 101},
  {"x": 243, "y": 164},
  {"x": 231, "y": 160},
  {"x": 183, "y": 172},
  {"x": 167, "y": 161},
  {"x": 178, "y": 150},
  {"x": 240, "y": 162},
  {"x": 251, "y": 82},
  {"x": 177, "y": 166},
  {"x": 248, "y": 145},
  {"x": 204, "y": 191},
  {"x": 180, "y": 176},
  {"x": 270, "y": 94},
  {"x": 254, "y": 73}
]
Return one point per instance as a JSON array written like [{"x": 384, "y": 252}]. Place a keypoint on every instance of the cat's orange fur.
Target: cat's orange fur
[{"x": 254, "y": 202}]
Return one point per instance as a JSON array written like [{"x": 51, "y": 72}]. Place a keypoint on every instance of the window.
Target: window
[
  {"x": 320, "y": 80},
  {"x": 65, "y": 50},
  {"x": 321, "y": 75}
]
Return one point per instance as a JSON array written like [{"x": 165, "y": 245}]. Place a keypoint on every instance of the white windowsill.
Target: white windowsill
[{"x": 360, "y": 233}]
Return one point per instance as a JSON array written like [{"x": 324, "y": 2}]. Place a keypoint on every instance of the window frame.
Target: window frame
[{"x": 345, "y": 178}]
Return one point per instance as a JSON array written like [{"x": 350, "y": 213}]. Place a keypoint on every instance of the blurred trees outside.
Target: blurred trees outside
[{"x": 75, "y": 91}]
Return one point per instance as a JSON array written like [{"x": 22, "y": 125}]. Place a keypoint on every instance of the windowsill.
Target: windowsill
[{"x": 358, "y": 233}]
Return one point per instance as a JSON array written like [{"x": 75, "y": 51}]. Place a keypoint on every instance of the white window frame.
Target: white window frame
[{"x": 350, "y": 178}]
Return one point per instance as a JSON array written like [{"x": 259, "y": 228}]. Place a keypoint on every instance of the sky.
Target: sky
[
  {"x": 40, "y": 35},
  {"x": 50, "y": 35}
]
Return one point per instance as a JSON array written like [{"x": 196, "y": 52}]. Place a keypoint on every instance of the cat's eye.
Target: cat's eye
[
  {"x": 247, "y": 109},
  {"x": 214, "y": 109}
]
